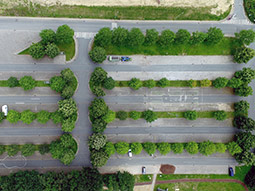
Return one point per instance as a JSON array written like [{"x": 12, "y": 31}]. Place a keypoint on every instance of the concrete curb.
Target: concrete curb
[{"x": 76, "y": 51}]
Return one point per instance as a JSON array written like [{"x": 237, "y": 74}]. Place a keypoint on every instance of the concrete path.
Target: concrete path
[{"x": 153, "y": 182}]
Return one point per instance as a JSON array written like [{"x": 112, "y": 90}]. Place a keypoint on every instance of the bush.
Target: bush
[
  {"x": 68, "y": 125},
  {"x": 12, "y": 82},
  {"x": 47, "y": 36},
  {"x": 246, "y": 158},
  {"x": 198, "y": 37},
  {"x": 243, "y": 54},
  {"x": 2, "y": 116},
  {"x": 121, "y": 147},
  {"x": 52, "y": 50},
  {"x": 245, "y": 36},
  {"x": 245, "y": 140},
  {"x": 44, "y": 148},
  {"x": 56, "y": 117},
  {"x": 166, "y": 38},
  {"x": 104, "y": 37},
  {"x": 234, "y": 148},
  {"x": 97, "y": 141},
  {"x": 246, "y": 75},
  {"x": 27, "y": 116},
  {"x": 67, "y": 107},
  {"x": 234, "y": 82},
  {"x": 28, "y": 150},
  {"x": 109, "y": 83},
  {"x": 163, "y": 82},
  {"x": 27, "y": 83},
  {"x": 191, "y": 148},
  {"x": 2, "y": 149},
  {"x": 163, "y": 148},
  {"x": 191, "y": 83},
  {"x": 177, "y": 148},
  {"x": 244, "y": 123},
  {"x": 135, "y": 37},
  {"x": 109, "y": 117},
  {"x": 214, "y": 35},
  {"x": 98, "y": 108},
  {"x": 151, "y": 37},
  {"x": 119, "y": 36},
  {"x": 12, "y": 149},
  {"x": 149, "y": 83},
  {"x": 98, "y": 91},
  {"x": 241, "y": 107},
  {"x": 190, "y": 115},
  {"x": 244, "y": 90},
  {"x": 135, "y": 83},
  {"x": 98, "y": 125},
  {"x": 136, "y": 148},
  {"x": 36, "y": 50},
  {"x": 98, "y": 158},
  {"x": 220, "y": 147},
  {"x": 64, "y": 35},
  {"x": 250, "y": 178},
  {"x": 43, "y": 116},
  {"x": 126, "y": 181},
  {"x": 67, "y": 92},
  {"x": 207, "y": 148},
  {"x": 182, "y": 36},
  {"x": 220, "y": 115},
  {"x": 13, "y": 116},
  {"x": 98, "y": 54},
  {"x": 109, "y": 148},
  {"x": 57, "y": 83},
  {"x": 205, "y": 83},
  {"x": 135, "y": 115},
  {"x": 122, "y": 115},
  {"x": 150, "y": 116},
  {"x": 220, "y": 82},
  {"x": 98, "y": 76},
  {"x": 149, "y": 147}
]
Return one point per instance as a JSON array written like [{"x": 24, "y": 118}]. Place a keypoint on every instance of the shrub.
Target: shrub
[
  {"x": 98, "y": 76},
  {"x": 191, "y": 148},
  {"x": 98, "y": 158},
  {"x": 13, "y": 116},
  {"x": 243, "y": 54},
  {"x": 220, "y": 82},
  {"x": 98, "y": 54},
  {"x": 205, "y": 83},
  {"x": 135, "y": 115},
  {"x": 122, "y": 115},
  {"x": 220, "y": 147},
  {"x": 44, "y": 148},
  {"x": 2, "y": 116},
  {"x": 191, "y": 83},
  {"x": 246, "y": 158},
  {"x": 166, "y": 38},
  {"x": 220, "y": 115},
  {"x": 244, "y": 90},
  {"x": 68, "y": 125},
  {"x": 43, "y": 116},
  {"x": 150, "y": 116},
  {"x": 163, "y": 148},
  {"x": 28, "y": 150},
  {"x": 163, "y": 82},
  {"x": 149, "y": 83},
  {"x": 98, "y": 125},
  {"x": 245, "y": 36},
  {"x": 109, "y": 83},
  {"x": 67, "y": 92},
  {"x": 234, "y": 148},
  {"x": 52, "y": 50},
  {"x": 135, "y": 83},
  {"x": 57, "y": 83},
  {"x": 135, "y": 37},
  {"x": 98, "y": 91},
  {"x": 109, "y": 148},
  {"x": 121, "y": 147},
  {"x": 250, "y": 178},
  {"x": 151, "y": 37},
  {"x": 67, "y": 107},
  {"x": 98, "y": 108},
  {"x": 207, "y": 148},
  {"x": 12, "y": 149},
  {"x": 198, "y": 37},
  {"x": 109, "y": 117},
  {"x": 190, "y": 115},
  {"x": 182, "y": 36},
  {"x": 214, "y": 35},
  {"x": 119, "y": 36},
  {"x": 245, "y": 140},
  {"x": 246, "y": 75},
  {"x": 136, "y": 148},
  {"x": 12, "y": 82},
  {"x": 56, "y": 117},
  {"x": 2, "y": 149},
  {"x": 36, "y": 50},
  {"x": 64, "y": 35},
  {"x": 27, "y": 116},
  {"x": 177, "y": 148},
  {"x": 104, "y": 37},
  {"x": 234, "y": 82},
  {"x": 27, "y": 83},
  {"x": 68, "y": 75},
  {"x": 244, "y": 123},
  {"x": 241, "y": 107},
  {"x": 149, "y": 147},
  {"x": 97, "y": 141},
  {"x": 47, "y": 36}
]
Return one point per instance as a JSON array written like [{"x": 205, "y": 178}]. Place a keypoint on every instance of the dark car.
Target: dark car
[
  {"x": 143, "y": 170},
  {"x": 231, "y": 171},
  {"x": 125, "y": 58}
]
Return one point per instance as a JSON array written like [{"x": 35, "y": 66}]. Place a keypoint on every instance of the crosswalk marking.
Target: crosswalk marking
[{"x": 86, "y": 35}]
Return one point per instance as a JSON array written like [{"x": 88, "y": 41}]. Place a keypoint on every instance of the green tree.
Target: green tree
[
  {"x": 246, "y": 75},
  {"x": 99, "y": 125},
  {"x": 56, "y": 117},
  {"x": 12, "y": 149},
  {"x": 67, "y": 107},
  {"x": 28, "y": 150},
  {"x": 166, "y": 38},
  {"x": 98, "y": 108},
  {"x": 191, "y": 83},
  {"x": 220, "y": 147},
  {"x": 250, "y": 178},
  {"x": 135, "y": 83},
  {"x": 36, "y": 50},
  {"x": 2, "y": 116},
  {"x": 57, "y": 83},
  {"x": 220, "y": 115},
  {"x": 64, "y": 35},
  {"x": 97, "y": 141},
  {"x": 244, "y": 123},
  {"x": 122, "y": 115},
  {"x": 205, "y": 83},
  {"x": 207, "y": 148},
  {"x": 182, "y": 36},
  {"x": 149, "y": 83},
  {"x": 163, "y": 82},
  {"x": 243, "y": 54},
  {"x": 27, "y": 116},
  {"x": 149, "y": 147},
  {"x": 43, "y": 116},
  {"x": 198, "y": 37},
  {"x": 151, "y": 37},
  {"x": 246, "y": 158},
  {"x": 68, "y": 125},
  {"x": 235, "y": 82},
  {"x": 121, "y": 147},
  {"x": 135, "y": 37},
  {"x": 109, "y": 148},
  {"x": 12, "y": 82},
  {"x": 244, "y": 90},
  {"x": 136, "y": 148},
  {"x": 44, "y": 148},
  {"x": 67, "y": 92},
  {"x": 163, "y": 148},
  {"x": 149, "y": 116},
  {"x": 135, "y": 115},
  {"x": 191, "y": 147},
  {"x": 52, "y": 50},
  {"x": 68, "y": 75},
  {"x": 98, "y": 76},
  {"x": 245, "y": 36},
  {"x": 119, "y": 36},
  {"x": 103, "y": 38},
  {"x": 241, "y": 107},
  {"x": 109, "y": 117},
  {"x": 214, "y": 35},
  {"x": 47, "y": 36},
  {"x": 2, "y": 149},
  {"x": 220, "y": 82},
  {"x": 109, "y": 83},
  {"x": 13, "y": 116},
  {"x": 234, "y": 148},
  {"x": 27, "y": 83},
  {"x": 177, "y": 148},
  {"x": 245, "y": 140},
  {"x": 190, "y": 115},
  {"x": 98, "y": 54},
  {"x": 126, "y": 181}
]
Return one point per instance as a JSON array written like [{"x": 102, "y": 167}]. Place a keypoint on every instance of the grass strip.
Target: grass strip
[{"x": 143, "y": 178}]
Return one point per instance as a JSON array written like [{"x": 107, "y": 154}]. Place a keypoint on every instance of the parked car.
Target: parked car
[
  {"x": 114, "y": 58},
  {"x": 130, "y": 153},
  {"x": 5, "y": 110},
  {"x": 125, "y": 58},
  {"x": 143, "y": 170},
  {"x": 231, "y": 171}
]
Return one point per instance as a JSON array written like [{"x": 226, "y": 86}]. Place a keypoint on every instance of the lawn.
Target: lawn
[
  {"x": 143, "y": 178},
  {"x": 114, "y": 12},
  {"x": 202, "y": 186}
]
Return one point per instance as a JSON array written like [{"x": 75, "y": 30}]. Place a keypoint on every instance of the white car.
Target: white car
[
  {"x": 130, "y": 153},
  {"x": 5, "y": 110}
]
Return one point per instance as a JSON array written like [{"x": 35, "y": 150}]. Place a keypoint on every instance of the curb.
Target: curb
[{"x": 76, "y": 52}]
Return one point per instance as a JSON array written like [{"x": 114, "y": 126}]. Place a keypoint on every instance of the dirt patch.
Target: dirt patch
[{"x": 167, "y": 169}]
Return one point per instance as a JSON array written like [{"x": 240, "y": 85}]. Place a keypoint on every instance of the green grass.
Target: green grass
[
  {"x": 26, "y": 52},
  {"x": 3, "y": 83},
  {"x": 143, "y": 178},
  {"x": 225, "y": 47},
  {"x": 202, "y": 186},
  {"x": 41, "y": 84},
  {"x": 115, "y": 12}
]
